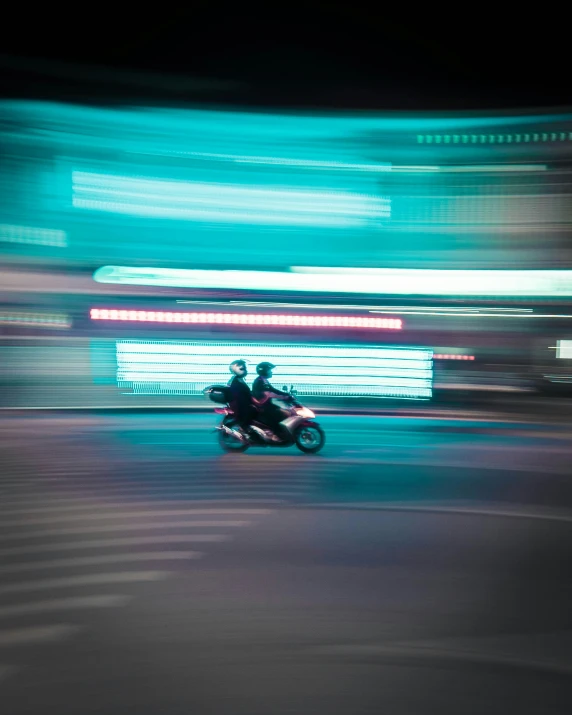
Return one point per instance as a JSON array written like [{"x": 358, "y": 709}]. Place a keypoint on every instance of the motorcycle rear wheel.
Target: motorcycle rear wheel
[{"x": 230, "y": 443}]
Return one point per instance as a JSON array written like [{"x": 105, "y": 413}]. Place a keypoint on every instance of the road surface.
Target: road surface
[{"x": 416, "y": 565}]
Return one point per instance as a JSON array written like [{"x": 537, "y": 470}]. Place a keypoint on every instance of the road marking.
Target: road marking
[
  {"x": 220, "y": 477},
  {"x": 440, "y": 654},
  {"x": 222, "y": 495},
  {"x": 97, "y": 560},
  {"x": 110, "y": 528},
  {"x": 71, "y": 488},
  {"x": 228, "y": 490},
  {"x": 225, "y": 477},
  {"x": 87, "y": 504},
  {"x": 64, "y": 604},
  {"x": 261, "y": 497},
  {"x": 473, "y": 511},
  {"x": 165, "y": 471},
  {"x": 97, "y": 516},
  {"x": 462, "y": 464},
  {"x": 87, "y": 580},
  {"x": 39, "y": 634},
  {"x": 100, "y": 500},
  {"x": 110, "y": 543}
]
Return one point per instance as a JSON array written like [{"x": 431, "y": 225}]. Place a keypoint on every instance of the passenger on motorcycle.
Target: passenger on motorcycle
[{"x": 240, "y": 396}]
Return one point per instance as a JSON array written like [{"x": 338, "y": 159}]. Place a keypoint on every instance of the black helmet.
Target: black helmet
[
  {"x": 264, "y": 368},
  {"x": 238, "y": 367}
]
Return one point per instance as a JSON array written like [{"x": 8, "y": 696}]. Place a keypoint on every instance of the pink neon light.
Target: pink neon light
[
  {"x": 321, "y": 321},
  {"x": 453, "y": 357}
]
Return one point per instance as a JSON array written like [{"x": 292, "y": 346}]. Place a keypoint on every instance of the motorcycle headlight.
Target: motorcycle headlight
[{"x": 305, "y": 412}]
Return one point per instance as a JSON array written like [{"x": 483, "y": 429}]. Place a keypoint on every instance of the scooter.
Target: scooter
[{"x": 297, "y": 428}]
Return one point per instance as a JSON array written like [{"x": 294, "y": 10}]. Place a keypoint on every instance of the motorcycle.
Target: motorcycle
[{"x": 297, "y": 428}]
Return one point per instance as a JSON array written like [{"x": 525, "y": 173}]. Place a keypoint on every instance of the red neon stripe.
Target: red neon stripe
[{"x": 314, "y": 321}]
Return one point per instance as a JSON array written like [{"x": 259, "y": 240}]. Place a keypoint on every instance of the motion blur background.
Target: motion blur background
[
  {"x": 375, "y": 230},
  {"x": 230, "y": 149},
  {"x": 382, "y": 206}
]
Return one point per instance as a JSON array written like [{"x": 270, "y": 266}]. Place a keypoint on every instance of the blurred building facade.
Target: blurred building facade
[{"x": 85, "y": 187}]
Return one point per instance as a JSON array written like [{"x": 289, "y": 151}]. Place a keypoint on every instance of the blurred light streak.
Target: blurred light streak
[
  {"x": 461, "y": 313},
  {"x": 564, "y": 349},
  {"x": 447, "y": 282},
  {"x": 382, "y": 167},
  {"x": 376, "y": 168},
  {"x": 468, "y": 169},
  {"x": 33, "y": 235},
  {"x": 187, "y": 367},
  {"x": 280, "y": 161},
  {"x": 381, "y": 281},
  {"x": 441, "y": 356},
  {"x": 394, "y": 309},
  {"x": 217, "y": 202},
  {"x": 493, "y": 168},
  {"x": 314, "y": 321},
  {"x": 521, "y": 138},
  {"x": 36, "y": 320}
]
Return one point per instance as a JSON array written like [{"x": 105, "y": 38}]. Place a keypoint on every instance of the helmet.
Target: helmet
[
  {"x": 265, "y": 368},
  {"x": 238, "y": 368}
]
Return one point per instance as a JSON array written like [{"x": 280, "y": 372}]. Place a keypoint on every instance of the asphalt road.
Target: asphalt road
[{"x": 415, "y": 566}]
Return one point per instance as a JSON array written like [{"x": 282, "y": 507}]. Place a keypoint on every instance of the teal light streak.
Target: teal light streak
[
  {"x": 33, "y": 235},
  {"x": 291, "y": 124},
  {"x": 542, "y": 137},
  {"x": 384, "y": 167},
  {"x": 398, "y": 281},
  {"x": 230, "y": 203}
]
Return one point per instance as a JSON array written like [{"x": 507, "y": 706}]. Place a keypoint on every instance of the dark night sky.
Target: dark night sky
[{"x": 309, "y": 55}]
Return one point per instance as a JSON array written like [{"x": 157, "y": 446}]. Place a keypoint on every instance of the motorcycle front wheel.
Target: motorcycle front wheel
[{"x": 310, "y": 439}]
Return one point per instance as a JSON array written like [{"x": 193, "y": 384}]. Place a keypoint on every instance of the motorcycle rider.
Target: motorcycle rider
[
  {"x": 240, "y": 396},
  {"x": 263, "y": 393}
]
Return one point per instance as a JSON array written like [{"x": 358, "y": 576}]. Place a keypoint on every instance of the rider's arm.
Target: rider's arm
[{"x": 278, "y": 393}]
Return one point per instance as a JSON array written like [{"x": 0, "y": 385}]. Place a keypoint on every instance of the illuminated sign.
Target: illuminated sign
[{"x": 186, "y": 367}]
